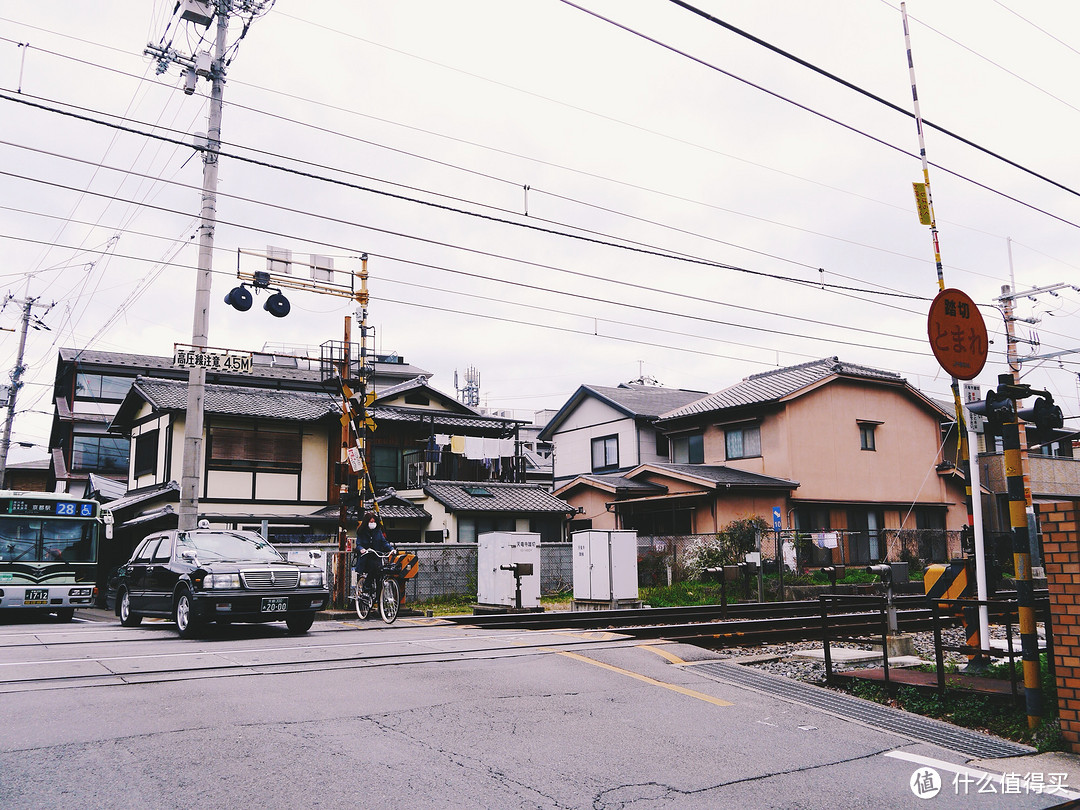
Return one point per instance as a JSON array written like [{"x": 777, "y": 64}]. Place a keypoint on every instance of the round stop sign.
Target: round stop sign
[{"x": 957, "y": 334}]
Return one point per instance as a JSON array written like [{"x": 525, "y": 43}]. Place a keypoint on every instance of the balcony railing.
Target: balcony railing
[{"x": 1048, "y": 475}]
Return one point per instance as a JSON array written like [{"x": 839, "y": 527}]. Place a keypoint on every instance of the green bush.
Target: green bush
[{"x": 727, "y": 547}]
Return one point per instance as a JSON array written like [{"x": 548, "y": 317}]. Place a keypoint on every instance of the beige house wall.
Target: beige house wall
[
  {"x": 590, "y": 420},
  {"x": 815, "y": 441}
]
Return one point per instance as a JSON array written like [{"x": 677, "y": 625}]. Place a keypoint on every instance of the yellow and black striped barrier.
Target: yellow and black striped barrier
[
  {"x": 407, "y": 561},
  {"x": 955, "y": 581}
]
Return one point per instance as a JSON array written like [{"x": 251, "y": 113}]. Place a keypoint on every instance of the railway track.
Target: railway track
[{"x": 741, "y": 625}]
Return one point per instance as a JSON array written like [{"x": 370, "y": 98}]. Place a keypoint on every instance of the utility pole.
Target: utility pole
[
  {"x": 1006, "y": 300},
  {"x": 201, "y": 65},
  {"x": 16, "y": 381}
]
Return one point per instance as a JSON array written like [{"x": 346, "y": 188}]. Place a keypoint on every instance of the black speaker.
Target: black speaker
[
  {"x": 277, "y": 305},
  {"x": 239, "y": 299}
]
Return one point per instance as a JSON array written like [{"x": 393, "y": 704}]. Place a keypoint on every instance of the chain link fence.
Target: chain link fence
[{"x": 451, "y": 570}]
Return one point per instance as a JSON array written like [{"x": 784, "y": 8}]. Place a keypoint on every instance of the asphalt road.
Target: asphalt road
[{"x": 424, "y": 714}]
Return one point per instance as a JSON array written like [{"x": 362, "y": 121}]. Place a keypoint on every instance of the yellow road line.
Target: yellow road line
[
  {"x": 662, "y": 653},
  {"x": 682, "y": 690}
]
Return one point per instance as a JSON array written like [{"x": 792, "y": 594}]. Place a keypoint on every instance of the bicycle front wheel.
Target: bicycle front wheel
[
  {"x": 363, "y": 604},
  {"x": 388, "y": 601}
]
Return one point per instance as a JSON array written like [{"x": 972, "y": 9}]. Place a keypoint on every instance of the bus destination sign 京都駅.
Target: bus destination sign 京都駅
[{"x": 957, "y": 334}]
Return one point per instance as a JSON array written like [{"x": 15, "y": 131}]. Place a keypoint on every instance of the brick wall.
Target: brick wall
[{"x": 1058, "y": 524}]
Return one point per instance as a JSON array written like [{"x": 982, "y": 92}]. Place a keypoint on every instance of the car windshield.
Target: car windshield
[{"x": 226, "y": 546}]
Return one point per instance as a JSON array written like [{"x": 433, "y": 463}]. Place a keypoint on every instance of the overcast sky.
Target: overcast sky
[{"x": 552, "y": 193}]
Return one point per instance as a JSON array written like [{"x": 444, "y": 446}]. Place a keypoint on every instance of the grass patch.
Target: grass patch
[
  {"x": 976, "y": 712},
  {"x": 683, "y": 594}
]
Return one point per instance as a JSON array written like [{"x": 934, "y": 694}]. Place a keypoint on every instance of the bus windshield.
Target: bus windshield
[{"x": 46, "y": 540}]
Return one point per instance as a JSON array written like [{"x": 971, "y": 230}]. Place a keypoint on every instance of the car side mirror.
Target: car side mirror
[{"x": 188, "y": 556}]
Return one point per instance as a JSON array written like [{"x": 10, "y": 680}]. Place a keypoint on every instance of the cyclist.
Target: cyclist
[{"x": 370, "y": 543}]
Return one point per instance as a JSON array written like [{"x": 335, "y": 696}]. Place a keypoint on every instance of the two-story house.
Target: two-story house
[
  {"x": 835, "y": 446},
  {"x": 607, "y": 430},
  {"x": 89, "y": 386}
]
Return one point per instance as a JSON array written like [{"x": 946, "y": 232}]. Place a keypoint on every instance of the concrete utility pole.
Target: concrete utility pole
[
  {"x": 191, "y": 471},
  {"x": 16, "y": 382},
  {"x": 202, "y": 12}
]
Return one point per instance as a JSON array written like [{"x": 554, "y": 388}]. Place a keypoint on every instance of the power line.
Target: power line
[
  {"x": 819, "y": 114},
  {"x": 862, "y": 91},
  {"x": 648, "y": 251},
  {"x": 549, "y": 163}
]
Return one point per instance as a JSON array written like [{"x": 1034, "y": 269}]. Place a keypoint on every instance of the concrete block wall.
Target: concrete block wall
[{"x": 1059, "y": 524}]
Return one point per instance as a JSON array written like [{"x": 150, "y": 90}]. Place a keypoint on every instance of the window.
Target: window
[
  {"x": 470, "y": 527},
  {"x": 549, "y": 527},
  {"x": 386, "y": 466},
  {"x": 866, "y": 436},
  {"x": 743, "y": 442},
  {"x": 146, "y": 447},
  {"x": 104, "y": 454},
  {"x": 101, "y": 386},
  {"x": 662, "y": 447},
  {"x": 605, "y": 453},
  {"x": 261, "y": 446},
  {"x": 688, "y": 449},
  {"x": 417, "y": 399}
]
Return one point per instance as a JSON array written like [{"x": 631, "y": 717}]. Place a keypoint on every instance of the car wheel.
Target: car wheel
[
  {"x": 299, "y": 623},
  {"x": 65, "y": 614},
  {"x": 184, "y": 615},
  {"x": 128, "y": 618}
]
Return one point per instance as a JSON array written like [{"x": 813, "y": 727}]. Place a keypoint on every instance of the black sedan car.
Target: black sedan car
[{"x": 211, "y": 575}]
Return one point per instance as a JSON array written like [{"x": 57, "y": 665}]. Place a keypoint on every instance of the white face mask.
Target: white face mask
[{"x": 371, "y": 526}]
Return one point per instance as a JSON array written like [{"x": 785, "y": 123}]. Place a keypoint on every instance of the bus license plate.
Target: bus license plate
[
  {"x": 276, "y": 604},
  {"x": 36, "y": 598}
]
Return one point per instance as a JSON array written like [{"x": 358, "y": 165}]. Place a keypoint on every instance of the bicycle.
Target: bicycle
[{"x": 388, "y": 595}]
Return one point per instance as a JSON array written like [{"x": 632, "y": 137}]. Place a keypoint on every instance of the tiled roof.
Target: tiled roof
[
  {"x": 461, "y": 496},
  {"x": 719, "y": 474},
  {"x": 443, "y": 420},
  {"x": 770, "y": 386},
  {"x": 304, "y": 406},
  {"x": 170, "y": 489},
  {"x": 637, "y": 401},
  {"x": 619, "y": 482},
  {"x": 645, "y": 400}
]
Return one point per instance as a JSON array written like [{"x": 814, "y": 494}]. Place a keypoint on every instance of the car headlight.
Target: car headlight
[
  {"x": 222, "y": 580},
  {"x": 311, "y": 579}
]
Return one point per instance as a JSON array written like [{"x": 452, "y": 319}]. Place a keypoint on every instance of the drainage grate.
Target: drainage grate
[{"x": 913, "y": 726}]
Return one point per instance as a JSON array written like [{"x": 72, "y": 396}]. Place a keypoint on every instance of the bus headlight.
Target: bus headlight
[{"x": 81, "y": 592}]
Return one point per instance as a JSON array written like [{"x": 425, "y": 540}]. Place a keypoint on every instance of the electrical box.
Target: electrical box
[
  {"x": 196, "y": 11},
  {"x": 497, "y": 552},
  {"x": 605, "y": 565}
]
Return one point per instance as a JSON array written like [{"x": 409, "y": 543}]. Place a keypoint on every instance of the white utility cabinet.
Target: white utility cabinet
[
  {"x": 605, "y": 565},
  {"x": 496, "y": 552}
]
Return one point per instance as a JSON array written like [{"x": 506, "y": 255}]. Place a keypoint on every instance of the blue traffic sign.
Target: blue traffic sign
[{"x": 776, "y": 518}]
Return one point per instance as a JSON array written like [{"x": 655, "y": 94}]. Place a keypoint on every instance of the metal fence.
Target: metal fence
[
  {"x": 662, "y": 559},
  {"x": 451, "y": 569}
]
